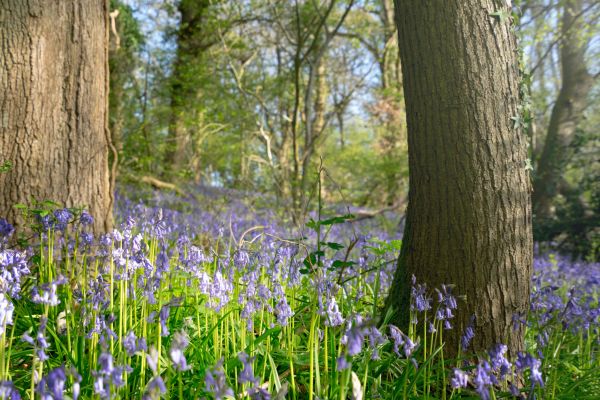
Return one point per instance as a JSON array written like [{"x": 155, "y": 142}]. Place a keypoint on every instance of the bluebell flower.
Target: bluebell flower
[
  {"x": 216, "y": 383},
  {"x": 355, "y": 337},
  {"x": 460, "y": 379},
  {"x": 178, "y": 345},
  {"x": 468, "y": 335},
  {"x": 63, "y": 217},
  {"x": 132, "y": 344},
  {"x": 376, "y": 338},
  {"x": 333, "y": 314},
  {"x": 419, "y": 300},
  {"x": 108, "y": 375},
  {"x": 6, "y": 229},
  {"x": 156, "y": 387},
  {"x": 400, "y": 339},
  {"x": 13, "y": 268},
  {"x": 86, "y": 219},
  {"x": 526, "y": 360},
  {"x": 259, "y": 393},
  {"x": 163, "y": 318},
  {"x": 342, "y": 363},
  {"x": 47, "y": 293},
  {"x": 283, "y": 311},
  {"x": 241, "y": 259},
  {"x": 498, "y": 360},
  {"x": 247, "y": 374},
  {"x": 447, "y": 303},
  {"x": 40, "y": 343},
  {"x": 6, "y": 313},
  {"x": 152, "y": 359},
  {"x": 52, "y": 386},
  {"x": 483, "y": 380},
  {"x": 219, "y": 292},
  {"x": 8, "y": 391},
  {"x": 86, "y": 239}
]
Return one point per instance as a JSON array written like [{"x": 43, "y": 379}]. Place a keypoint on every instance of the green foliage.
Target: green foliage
[{"x": 6, "y": 167}]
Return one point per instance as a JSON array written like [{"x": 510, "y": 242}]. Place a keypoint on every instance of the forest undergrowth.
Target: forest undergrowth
[{"x": 207, "y": 297}]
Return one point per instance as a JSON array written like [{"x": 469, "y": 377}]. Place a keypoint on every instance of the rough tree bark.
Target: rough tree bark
[
  {"x": 54, "y": 104},
  {"x": 568, "y": 110},
  {"x": 469, "y": 213}
]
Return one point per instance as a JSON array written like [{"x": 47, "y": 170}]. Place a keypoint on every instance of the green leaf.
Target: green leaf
[
  {"x": 333, "y": 245},
  {"x": 342, "y": 264},
  {"x": 336, "y": 220},
  {"x": 312, "y": 224},
  {"x": 6, "y": 166},
  {"x": 50, "y": 204},
  {"x": 396, "y": 244}
]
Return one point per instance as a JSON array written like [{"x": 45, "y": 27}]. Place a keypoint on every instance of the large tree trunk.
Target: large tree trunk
[
  {"x": 469, "y": 214},
  {"x": 184, "y": 85},
  {"x": 567, "y": 111},
  {"x": 54, "y": 104}
]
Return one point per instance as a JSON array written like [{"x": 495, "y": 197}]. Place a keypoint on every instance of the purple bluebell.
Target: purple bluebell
[
  {"x": 419, "y": 300},
  {"x": 219, "y": 292},
  {"x": 8, "y": 391},
  {"x": 132, "y": 344},
  {"x": 86, "y": 219},
  {"x": 52, "y": 386},
  {"x": 259, "y": 393},
  {"x": 156, "y": 387},
  {"x": 342, "y": 363},
  {"x": 526, "y": 360},
  {"x": 333, "y": 314},
  {"x": 40, "y": 343},
  {"x": 216, "y": 383},
  {"x": 13, "y": 269},
  {"x": 102, "y": 328},
  {"x": 178, "y": 345},
  {"x": 152, "y": 359},
  {"x": 498, "y": 360},
  {"x": 47, "y": 293},
  {"x": 247, "y": 374},
  {"x": 6, "y": 229},
  {"x": 6, "y": 313},
  {"x": 483, "y": 380},
  {"x": 460, "y": 379},
  {"x": 400, "y": 339},
  {"x": 63, "y": 217},
  {"x": 355, "y": 336},
  {"x": 108, "y": 375},
  {"x": 163, "y": 319},
  {"x": 447, "y": 303},
  {"x": 376, "y": 338},
  {"x": 283, "y": 311},
  {"x": 468, "y": 335}
]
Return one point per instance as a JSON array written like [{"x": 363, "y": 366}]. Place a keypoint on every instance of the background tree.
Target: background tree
[
  {"x": 561, "y": 53},
  {"x": 469, "y": 217},
  {"x": 125, "y": 43},
  {"x": 54, "y": 104}
]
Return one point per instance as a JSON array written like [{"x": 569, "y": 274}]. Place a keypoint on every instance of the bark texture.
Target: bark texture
[
  {"x": 568, "y": 110},
  {"x": 54, "y": 104},
  {"x": 469, "y": 212}
]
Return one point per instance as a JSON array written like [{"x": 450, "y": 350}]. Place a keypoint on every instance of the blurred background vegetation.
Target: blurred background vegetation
[{"x": 257, "y": 95}]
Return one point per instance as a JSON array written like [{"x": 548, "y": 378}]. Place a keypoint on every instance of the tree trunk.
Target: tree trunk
[
  {"x": 191, "y": 43},
  {"x": 54, "y": 104},
  {"x": 567, "y": 111},
  {"x": 469, "y": 213}
]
